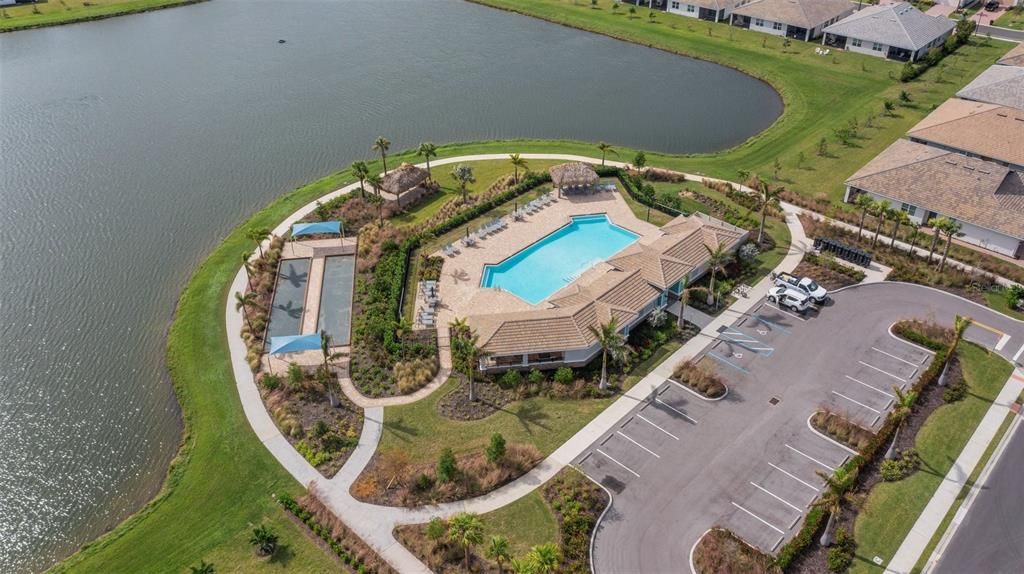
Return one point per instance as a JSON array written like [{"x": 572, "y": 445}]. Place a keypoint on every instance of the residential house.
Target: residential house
[
  {"x": 711, "y": 10},
  {"x": 639, "y": 281},
  {"x": 894, "y": 31},
  {"x": 1001, "y": 85},
  {"x": 925, "y": 181},
  {"x": 976, "y": 129},
  {"x": 799, "y": 19}
]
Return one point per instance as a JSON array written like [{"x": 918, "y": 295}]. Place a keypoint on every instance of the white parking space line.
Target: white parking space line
[
  {"x": 603, "y": 453},
  {"x": 809, "y": 457},
  {"x": 857, "y": 402},
  {"x": 1020, "y": 352},
  {"x": 651, "y": 452},
  {"x": 901, "y": 379},
  {"x": 648, "y": 421},
  {"x": 780, "y": 499},
  {"x": 911, "y": 363},
  {"x": 759, "y": 519},
  {"x": 784, "y": 312},
  {"x": 677, "y": 411},
  {"x": 1002, "y": 342},
  {"x": 877, "y": 390},
  {"x": 803, "y": 482}
]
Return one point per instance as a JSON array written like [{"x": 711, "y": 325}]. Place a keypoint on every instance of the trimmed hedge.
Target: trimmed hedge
[{"x": 346, "y": 554}]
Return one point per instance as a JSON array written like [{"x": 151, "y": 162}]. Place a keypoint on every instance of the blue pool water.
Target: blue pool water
[{"x": 556, "y": 260}]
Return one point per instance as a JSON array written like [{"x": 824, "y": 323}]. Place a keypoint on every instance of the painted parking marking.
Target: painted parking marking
[
  {"x": 887, "y": 373},
  {"x": 648, "y": 421},
  {"x": 677, "y": 411},
  {"x": 809, "y": 457},
  {"x": 780, "y": 310},
  {"x": 759, "y": 519},
  {"x": 790, "y": 475},
  {"x": 1002, "y": 342},
  {"x": 727, "y": 362},
  {"x": 1020, "y": 352},
  {"x": 649, "y": 451},
  {"x": 778, "y": 326},
  {"x": 911, "y": 363},
  {"x": 987, "y": 328},
  {"x": 603, "y": 453},
  {"x": 877, "y": 390},
  {"x": 746, "y": 341},
  {"x": 856, "y": 402},
  {"x": 779, "y": 498}
]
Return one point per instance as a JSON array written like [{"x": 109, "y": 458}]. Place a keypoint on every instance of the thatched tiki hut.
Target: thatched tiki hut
[
  {"x": 407, "y": 181},
  {"x": 571, "y": 176}
]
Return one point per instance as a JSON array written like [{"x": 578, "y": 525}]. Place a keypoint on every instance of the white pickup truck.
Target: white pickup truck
[{"x": 806, "y": 285}]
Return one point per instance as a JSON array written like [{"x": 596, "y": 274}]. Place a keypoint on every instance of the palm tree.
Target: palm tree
[
  {"x": 950, "y": 228},
  {"x": 467, "y": 530},
  {"x": 915, "y": 234},
  {"x": 899, "y": 218},
  {"x": 465, "y": 354},
  {"x": 865, "y": 203},
  {"x": 900, "y": 411},
  {"x": 937, "y": 224},
  {"x": 605, "y": 148},
  {"x": 498, "y": 550},
  {"x": 767, "y": 196},
  {"x": 243, "y": 302},
  {"x": 427, "y": 150},
  {"x": 376, "y": 182},
  {"x": 517, "y": 162},
  {"x": 684, "y": 298},
  {"x": 382, "y": 145},
  {"x": 264, "y": 540},
  {"x": 522, "y": 566},
  {"x": 248, "y": 268},
  {"x": 832, "y": 500},
  {"x": 458, "y": 327},
  {"x": 325, "y": 348},
  {"x": 881, "y": 210},
  {"x": 258, "y": 234},
  {"x": 718, "y": 258},
  {"x": 612, "y": 343},
  {"x": 545, "y": 558},
  {"x": 203, "y": 568},
  {"x": 361, "y": 171},
  {"x": 379, "y": 202},
  {"x": 464, "y": 175}
]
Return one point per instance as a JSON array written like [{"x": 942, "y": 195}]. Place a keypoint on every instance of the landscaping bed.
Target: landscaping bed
[
  {"x": 722, "y": 552},
  {"x": 261, "y": 278},
  {"x": 700, "y": 378},
  {"x": 827, "y": 272},
  {"x": 841, "y": 429}
]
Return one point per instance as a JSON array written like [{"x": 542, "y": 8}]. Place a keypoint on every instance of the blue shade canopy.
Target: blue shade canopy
[
  {"x": 316, "y": 227},
  {"x": 294, "y": 344}
]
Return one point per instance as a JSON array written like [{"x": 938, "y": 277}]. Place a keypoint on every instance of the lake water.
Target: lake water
[{"x": 129, "y": 147}]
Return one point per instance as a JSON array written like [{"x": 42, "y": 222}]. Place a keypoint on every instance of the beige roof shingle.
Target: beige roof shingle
[
  {"x": 1014, "y": 57},
  {"x": 985, "y": 130},
  {"x": 979, "y": 192},
  {"x": 802, "y": 13}
]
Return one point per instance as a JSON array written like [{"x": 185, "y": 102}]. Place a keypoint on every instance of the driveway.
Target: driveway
[{"x": 678, "y": 464}]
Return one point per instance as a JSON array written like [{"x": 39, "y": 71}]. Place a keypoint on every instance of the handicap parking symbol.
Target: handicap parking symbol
[
  {"x": 762, "y": 332},
  {"x": 737, "y": 355}
]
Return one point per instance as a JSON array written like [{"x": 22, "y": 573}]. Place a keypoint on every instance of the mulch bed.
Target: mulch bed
[
  {"x": 490, "y": 398},
  {"x": 827, "y": 278}
]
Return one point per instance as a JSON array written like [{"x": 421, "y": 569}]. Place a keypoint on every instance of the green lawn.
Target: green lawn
[
  {"x": 1012, "y": 19},
  {"x": 996, "y": 299},
  {"x": 526, "y": 523},
  {"x": 54, "y": 12},
  {"x": 820, "y": 93},
  {"x": 892, "y": 507}
]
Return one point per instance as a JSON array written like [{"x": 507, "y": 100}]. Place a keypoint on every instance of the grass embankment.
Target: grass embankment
[
  {"x": 56, "y": 12},
  {"x": 892, "y": 507},
  {"x": 996, "y": 299},
  {"x": 821, "y": 93}
]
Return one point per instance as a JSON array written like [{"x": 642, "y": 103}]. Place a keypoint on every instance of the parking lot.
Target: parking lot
[{"x": 679, "y": 464}]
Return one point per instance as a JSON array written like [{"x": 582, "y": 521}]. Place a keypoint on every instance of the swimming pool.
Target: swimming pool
[{"x": 559, "y": 258}]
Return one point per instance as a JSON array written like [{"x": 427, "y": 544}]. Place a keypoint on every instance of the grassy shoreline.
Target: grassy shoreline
[{"x": 22, "y": 17}]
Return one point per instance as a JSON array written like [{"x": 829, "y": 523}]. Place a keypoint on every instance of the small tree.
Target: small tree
[
  {"x": 446, "y": 466},
  {"x": 258, "y": 234},
  {"x": 464, "y": 175},
  {"x": 437, "y": 529},
  {"x": 822, "y": 147},
  {"x": 949, "y": 228},
  {"x": 632, "y": 12},
  {"x": 613, "y": 345},
  {"x": 937, "y": 224},
  {"x": 545, "y": 558},
  {"x": 640, "y": 160},
  {"x": 899, "y": 217},
  {"x": 776, "y": 168},
  {"x": 243, "y": 303},
  {"x": 295, "y": 375},
  {"x": 361, "y": 171},
  {"x": 496, "y": 449},
  {"x": 684, "y": 298},
  {"x": 865, "y": 203},
  {"x": 831, "y": 500},
  {"x": 718, "y": 258},
  {"x": 605, "y": 149},
  {"x": 564, "y": 376},
  {"x": 889, "y": 107},
  {"x": 499, "y": 551},
  {"x": 203, "y": 568},
  {"x": 914, "y": 235},
  {"x": 651, "y": 16},
  {"x": 905, "y": 97},
  {"x": 382, "y": 145},
  {"x": 264, "y": 540},
  {"x": 800, "y": 160},
  {"x": 517, "y": 164},
  {"x": 467, "y": 531},
  {"x": 880, "y": 210},
  {"x": 427, "y": 150}
]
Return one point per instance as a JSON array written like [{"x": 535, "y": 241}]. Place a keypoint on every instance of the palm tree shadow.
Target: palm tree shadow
[
  {"x": 529, "y": 415},
  {"x": 400, "y": 430},
  {"x": 282, "y": 556}
]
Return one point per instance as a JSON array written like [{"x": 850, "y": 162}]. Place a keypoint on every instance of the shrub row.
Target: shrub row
[
  {"x": 347, "y": 555},
  {"x": 927, "y": 335},
  {"x": 964, "y": 29}
]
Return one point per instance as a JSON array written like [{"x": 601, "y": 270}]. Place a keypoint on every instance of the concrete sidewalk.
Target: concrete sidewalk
[{"x": 931, "y": 517}]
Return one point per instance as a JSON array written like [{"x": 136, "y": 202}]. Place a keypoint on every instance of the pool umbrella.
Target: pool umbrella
[{"x": 294, "y": 344}]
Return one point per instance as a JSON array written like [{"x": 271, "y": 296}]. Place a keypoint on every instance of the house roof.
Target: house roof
[
  {"x": 715, "y": 4},
  {"x": 1003, "y": 85},
  {"x": 802, "y": 13},
  {"x": 986, "y": 130},
  {"x": 979, "y": 192},
  {"x": 900, "y": 25},
  {"x": 404, "y": 178},
  {"x": 1014, "y": 57},
  {"x": 572, "y": 174}
]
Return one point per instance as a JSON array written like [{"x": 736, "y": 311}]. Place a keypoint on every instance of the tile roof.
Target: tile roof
[
  {"x": 803, "y": 13},
  {"x": 979, "y": 192},
  {"x": 900, "y": 25},
  {"x": 1014, "y": 57},
  {"x": 1003, "y": 85},
  {"x": 985, "y": 130}
]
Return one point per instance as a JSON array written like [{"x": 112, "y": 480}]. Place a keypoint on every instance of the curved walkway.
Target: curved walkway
[{"x": 375, "y": 523}]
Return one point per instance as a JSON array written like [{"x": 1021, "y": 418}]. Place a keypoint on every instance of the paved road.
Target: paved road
[
  {"x": 1002, "y": 33},
  {"x": 991, "y": 537},
  {"x": 679, "y": 465}
]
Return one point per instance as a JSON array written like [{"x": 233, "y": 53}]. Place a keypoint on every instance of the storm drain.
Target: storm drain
[{"x": 773, "y": 401}]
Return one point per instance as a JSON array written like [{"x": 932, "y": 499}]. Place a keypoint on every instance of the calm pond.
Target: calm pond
[{"x": 129, "y": 147}]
